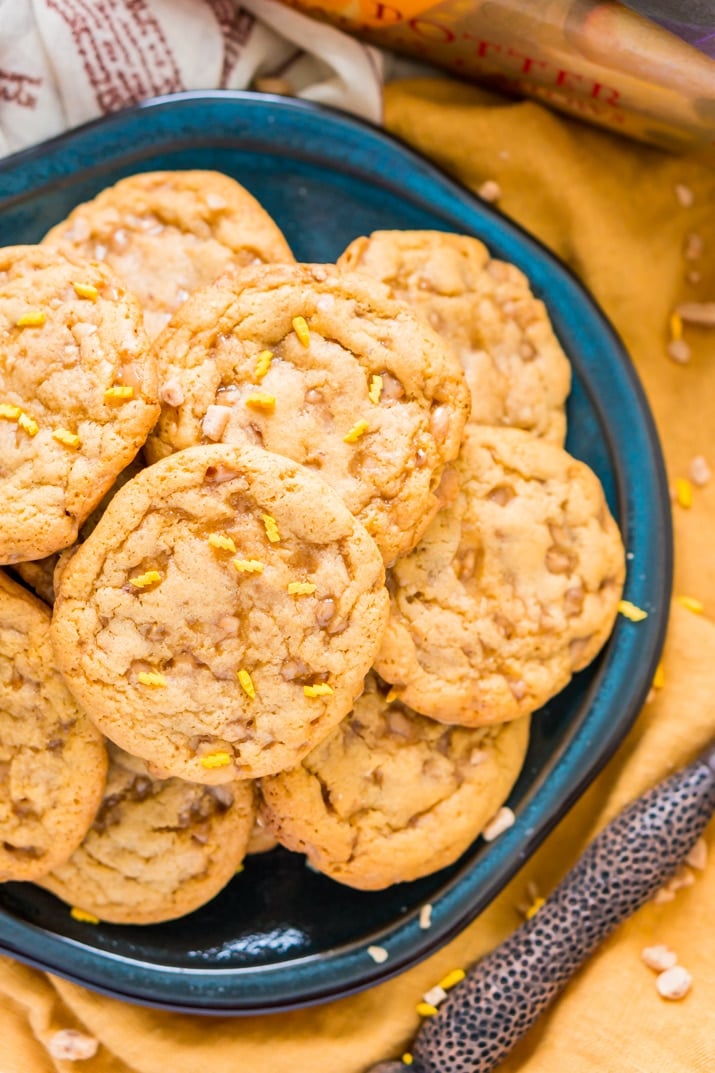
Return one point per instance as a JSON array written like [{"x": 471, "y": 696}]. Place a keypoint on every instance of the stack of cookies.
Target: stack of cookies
[{"x": 305, "y": 545}]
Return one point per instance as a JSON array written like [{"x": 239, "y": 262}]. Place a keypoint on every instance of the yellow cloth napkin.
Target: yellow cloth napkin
[{"x": 610, "y": 209}]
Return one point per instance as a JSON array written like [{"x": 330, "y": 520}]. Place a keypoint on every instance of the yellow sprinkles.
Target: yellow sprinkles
[
  {"x": 301, "y": 329},
  {"x": 152, "y": 678},
  {"x": 271, "y": 528},
  {"x": 452, "y": 979},
  {"x": 8, "y": 412},
  {"x": 141, "y": 581},
  {"x": 248, "y": 566},
  {"x": 28, "y": 424},
  {"x": 659, "y": 676},
  {"x": 260, "y": 401},
  {"x": 375, "y": 390},
  {"x": 691, "y": 604},
  {"x": 263, "y": 364},
  {"x": 631, "y": 612},
  {"x": 676, "y": 326},
  {"x": 535, "y": 907},
  {"x": 83, "y": 916},
  {"x": 426, "y": 1009},
  {"x": 407, "y": 1059},
  {"x": 301, "y": 588},
  {"x": 684, "y": 492},
  {"x": 320, "y": 689},
  {"x": 246, "y": 683},
  {"x": 119, "y": 393},
  {"x": 214, "y": 760},
  {"x": 86, "y": 290},
  {"x": 223, "y": 543},
  {"x": 33, "y": 318},
  {"x": 359, "y": 429},
  {"x": 67, "y": 438}
]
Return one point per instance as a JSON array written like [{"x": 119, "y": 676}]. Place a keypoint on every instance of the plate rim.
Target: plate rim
[{"x": 406, "y": 943}]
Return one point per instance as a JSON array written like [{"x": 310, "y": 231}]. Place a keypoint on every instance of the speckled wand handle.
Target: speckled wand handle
[{"x": 505, "y": 993}]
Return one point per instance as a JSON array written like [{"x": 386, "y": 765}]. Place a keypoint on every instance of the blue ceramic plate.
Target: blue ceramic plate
[{"x": 280, "y": 935}]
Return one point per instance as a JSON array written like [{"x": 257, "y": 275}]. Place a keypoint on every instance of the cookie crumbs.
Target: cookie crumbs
[
  {"x": 691, "y": 604},
  {"x": 684, "y": 195},
  {"x": 536, "y": 905},
  {"x": 694, "y": 246},
  {"x": 215, "y": 760},
  {"x": 659, "y": 676},
  {"x": 631, "y": 612},
  {"x": 222, "y": 543},
  {"x": 320, "y": 689},
  {"x": 246, "y": 683},
  {"x": 426, "y": 1009},
  {"x": 699, "y": 471},
  {"x": 500, "y": 823},
  {"x": 8, "y": 412},
  {"x": 452, "y": 979},
  {"x": 489, "y": 190},
  {"x": 71, "y": 1046},
  {"x": 67, "y": 438},
  {"x": 674, "y": 983},
  {"x": 679, "y": 351},
  {"x": 359, "y": 429},
  {"x": 375, "y": 389},
  {"x": 301, "y": 329},
  {"x": 141, "y": 581},
  {"x": 434, "y": 996},
  {"x": 698, "y": 856},
  {"x": 693, "y": 276},
  {"x": 426, "y": 917},
  {"x": 82, "y": 916},
  {"x": 151, "y": 678},
  {"x": 378, "y": 954},
  {"x": 86, "y": 290},
  {"x": 248, "y": 566},
  {"x": 263, "y": 364},
  {"x": 659, "y": 958},
  {"x": 271, "y": 528},
  {"x": 119, "y": 393},
  {"x": 683, "y": 492},
  {"x": 33, "y": 318},
  {"x": 261, "y": 401},
  {"x": 407, "y": 1059},
  {"x": 662, "y": 896},
  {"x": 28, "y": 424}
]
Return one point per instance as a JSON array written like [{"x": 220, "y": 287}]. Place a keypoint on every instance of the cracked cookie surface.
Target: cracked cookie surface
[
  {"x": 513, "y": 588},
  {"x": 52, "y": 759},
  {"x": 390, "y": 795},
  {"x": 77, "y": 394},
  {"x": 324, "y": 368},
  {"x": 485, "y": 312},
  {"x": 168, "y": 233},
  {"x": 158, "y": 849},
  {"x": 221, "y": 617}
]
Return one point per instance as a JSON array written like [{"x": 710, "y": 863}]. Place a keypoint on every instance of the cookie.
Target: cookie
[
  {"x": 157, "y": 850},
  {"x": 512, "y": 589},
  {"x": 221, "y": 617},
  {"x": 324, "y": 368},
  {"x": 40, "y": 574},
  {"x": 484, "y": 310},
  {"x": 167, "y": 233},
  {"x": 53, "y": 761},
  {"x": 262, "y": 840},
  {"x": 391, "y": 796},
  {"x": 77, "y": 395}
]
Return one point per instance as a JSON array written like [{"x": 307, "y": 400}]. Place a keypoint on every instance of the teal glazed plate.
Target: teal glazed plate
[{"x": 279, "y": 935}]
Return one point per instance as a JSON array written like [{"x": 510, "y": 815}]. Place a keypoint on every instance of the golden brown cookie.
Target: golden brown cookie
[
  {"x": 484, "y": 310},
  {"x": 40, "y": 574},
  {"x": 167, "y": 233},
  {"x": 158, "y": 849},
  {"x": 262, "y": 840},
  {"x": 221, "y": 617},
  {"x": 512, "y": 588},
  {"x": 391, "y": 796},
  {"x": 52, "y": 759},
  {"x": 77, "y": 394},
  {"x": 324, "y": 368}
]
